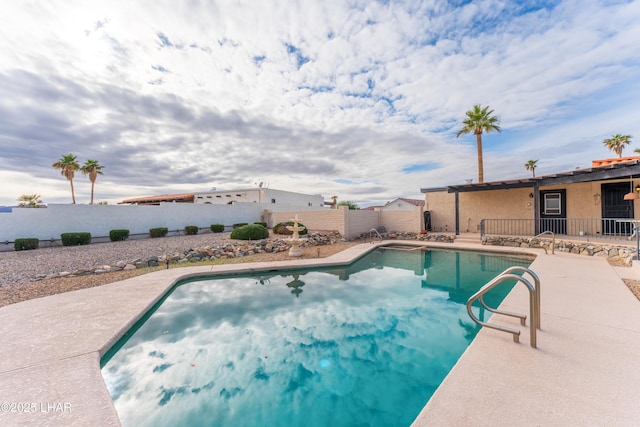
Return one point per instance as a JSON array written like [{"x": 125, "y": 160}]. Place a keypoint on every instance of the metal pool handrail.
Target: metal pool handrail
[
  {"x": 536, "y": 286},
  {"x": 553, "y": 241},
  {"x": 534, "y": 309},
  {"x": 373, "y": 230}
]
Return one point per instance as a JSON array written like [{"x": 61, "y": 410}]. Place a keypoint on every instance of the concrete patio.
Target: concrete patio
[{"x": 584, "y": 372}]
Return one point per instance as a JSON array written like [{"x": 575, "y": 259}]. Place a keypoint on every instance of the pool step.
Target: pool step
[{"x": 468, "y": 238}]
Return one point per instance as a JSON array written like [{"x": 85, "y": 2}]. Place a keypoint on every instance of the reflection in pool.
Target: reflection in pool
[{"x": 365, "y": 344}]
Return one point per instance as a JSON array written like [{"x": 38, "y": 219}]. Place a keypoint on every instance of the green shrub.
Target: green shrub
[
  {"x": 158, "y": 232},
  {"x": 250, "y": 232},
  {"x": 264, "y": 224},
  {"x": 281, "y": 228},
  {"x": 75, "y": 239},
  {"x": 240, "y": 224},
  {"x": 118, "y": 235},
  {"x": 25, "y": 244},
  {"x": 217, "y": 228},
  {"x": 191, "y": 230}
]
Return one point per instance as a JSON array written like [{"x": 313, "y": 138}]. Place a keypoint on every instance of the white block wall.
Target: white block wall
[
  {"x": 49, "y": 223},
  {"x": 98, "y": 220}
]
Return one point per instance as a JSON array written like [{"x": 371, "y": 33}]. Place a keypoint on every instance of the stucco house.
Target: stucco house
[
  {"x": 598, "y": 201},
  {"x": 229, "y": 197},
  {"x": 403, "y": 204}
]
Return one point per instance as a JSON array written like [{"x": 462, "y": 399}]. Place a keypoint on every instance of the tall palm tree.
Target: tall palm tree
[
  {"x": 93, "y": 169},
  {"x": 29, "y": 201},
  {"x": 531, "y": 165},
  {"x": 479, "y": 120},
  {"x": 68, "y": 165},
  {"x": 617, "y": 142}
]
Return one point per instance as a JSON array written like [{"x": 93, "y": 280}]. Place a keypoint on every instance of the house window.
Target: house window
[
  {"x": 273, "y": 200},
  {"x": 310, "y": 204},
  {"x": 552, "y": 204}
]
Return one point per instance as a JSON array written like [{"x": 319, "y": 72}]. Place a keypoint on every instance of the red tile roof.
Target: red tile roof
[{"x": 606, "y": 162}]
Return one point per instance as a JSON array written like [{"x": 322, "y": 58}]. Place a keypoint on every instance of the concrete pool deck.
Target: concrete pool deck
[{"x": 585, "y": 370}]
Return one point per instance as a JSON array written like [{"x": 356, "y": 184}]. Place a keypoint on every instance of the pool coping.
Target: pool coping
[{"x": 50, "y": 372}]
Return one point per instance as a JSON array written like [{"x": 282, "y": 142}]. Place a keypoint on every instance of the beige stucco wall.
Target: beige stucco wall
[
  {"x": 402, "y": 220},
  {"x": 351, "y": 223},
  {"x": 443, "y": 210},
  {"x": 325, "y": 219},
  {"x": 360, "y": 221},
  {"x": 583, "y": 201},
  {"x": 496, "y": 204},
  {"x": 475, "y": 206}
]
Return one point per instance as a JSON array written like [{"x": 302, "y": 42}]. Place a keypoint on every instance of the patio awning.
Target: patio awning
[{"x": 600, "y": 173}]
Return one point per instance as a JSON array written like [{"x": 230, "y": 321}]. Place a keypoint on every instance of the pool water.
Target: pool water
[{"x": 361, "y": 345}]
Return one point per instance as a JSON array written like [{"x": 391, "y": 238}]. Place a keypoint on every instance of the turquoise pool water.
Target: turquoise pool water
[{"x": 361, "y": 345}]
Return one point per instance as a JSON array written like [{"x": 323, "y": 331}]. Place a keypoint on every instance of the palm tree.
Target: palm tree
[
  {"x": 352, "y": 206},
  {"x": 93, "y": 169},
  {"x": 617, "y": 142},
  {"x": 29, "y": 201},
  {"x": 68, "y": 165},
  {"x": 531, "y": 165},
  {"x": 479, "y": 120}
]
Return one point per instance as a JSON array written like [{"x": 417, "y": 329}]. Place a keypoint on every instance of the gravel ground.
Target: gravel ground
[
  {"x": 22, "y": 266},
  {"x": 18, "y": 269},
  {"x": 634, "y": 286}
]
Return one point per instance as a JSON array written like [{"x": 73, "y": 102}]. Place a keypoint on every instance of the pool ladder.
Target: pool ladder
[
  {"x": 534, "y": 303},
  {"x": 553, "y": 241},
  {"x": 374, "y": 233}
]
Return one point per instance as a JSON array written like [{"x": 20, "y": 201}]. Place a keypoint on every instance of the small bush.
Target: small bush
[
  {"x": 75, "y": 239},
  {"x": 240, "y": 224},
  {"x": 118, "y": 235},
  {"x": 217, "y": 228},
  {"x": 250, "y": 232},
  {"x": 26, "y": 244},
  {"x": 191, "y": 230},
  {"x": 158, "y": 232},
  {"x": 281, "y": 228},
  {"x": 264, "y": 224}
]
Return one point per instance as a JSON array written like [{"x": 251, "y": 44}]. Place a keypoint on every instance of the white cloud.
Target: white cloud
[{"x": 181, "y": 95}]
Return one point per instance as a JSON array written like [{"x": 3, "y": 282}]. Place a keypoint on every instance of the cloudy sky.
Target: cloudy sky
[{"x": 361, "y": 99}]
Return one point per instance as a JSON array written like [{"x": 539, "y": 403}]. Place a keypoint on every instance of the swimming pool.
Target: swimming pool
[{"x": 364, "y": 344}]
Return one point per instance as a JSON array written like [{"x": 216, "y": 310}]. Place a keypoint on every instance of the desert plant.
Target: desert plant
[
  {"x": 75, "y": 238},
  {"x": 92, "y": 168},
  {"x": 281, "y": 228},
  {"x": 479, "y": 119},
  {"x": 26, "y": 244},
  {"x": 158, "y": 232},
  {"x": 250, "y": 232},
  {"x": 240, "y": 224},
  {"x": 352, "y": 206},
  {"x": 617, "y": 142},
  {"x": 118, "y": 235},
  {"x": 191, "y": 230},
  {"x": 531, "y": 165},
  {"x": 30, "y": 201},
  {"x": 67, "y": 165},
  {"x": 217, "y": 228},
  {"x": 264, "y": 224}
]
